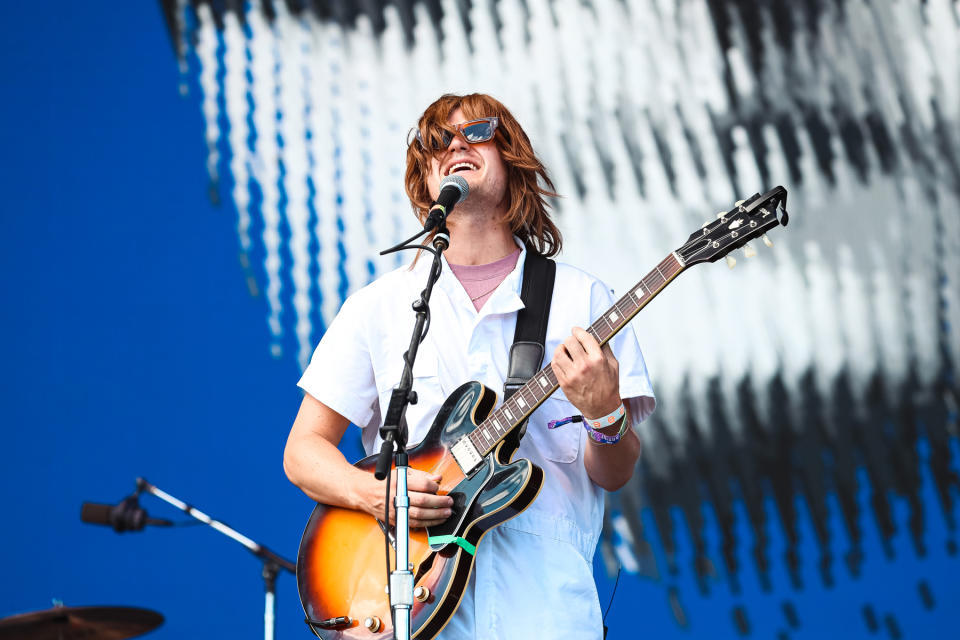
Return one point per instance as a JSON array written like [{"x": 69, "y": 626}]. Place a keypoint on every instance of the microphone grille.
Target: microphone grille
[{"x": 458, "y": 182}]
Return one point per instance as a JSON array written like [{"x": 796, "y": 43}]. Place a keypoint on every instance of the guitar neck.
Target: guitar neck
[{"x": 541, "y": 386}]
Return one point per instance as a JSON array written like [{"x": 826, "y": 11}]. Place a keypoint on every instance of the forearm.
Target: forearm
[
  {"x": 318, "y": 468},
  {"x": 610, "y": 466},
  {"x": 312, "y": 461}
]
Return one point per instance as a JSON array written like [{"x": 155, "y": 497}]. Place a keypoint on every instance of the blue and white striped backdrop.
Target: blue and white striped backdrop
[{"x": 650, "y": 115}]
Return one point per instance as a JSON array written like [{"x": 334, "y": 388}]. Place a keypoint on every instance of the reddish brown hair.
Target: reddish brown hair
[{"x": 528, "y": 185}]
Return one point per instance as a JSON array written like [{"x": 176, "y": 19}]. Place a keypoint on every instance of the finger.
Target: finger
[
  {"x": 422, "y": 481},
  {"x": 430, "y": 501},
  {"x": 561, "y": 353},
  {"x": 559, "y": 366},
  {"x": 590, "y": 345},
  {"x": 429, "y": 515},
  {"x": 610, "y": 358},
  {"x": 573, "y": 345}
]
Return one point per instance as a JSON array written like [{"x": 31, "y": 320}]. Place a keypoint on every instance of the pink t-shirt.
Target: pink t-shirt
[{"x": 481, "y": 280}]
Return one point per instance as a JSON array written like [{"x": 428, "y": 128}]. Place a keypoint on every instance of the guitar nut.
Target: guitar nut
[{"x": 372, "y": 624}]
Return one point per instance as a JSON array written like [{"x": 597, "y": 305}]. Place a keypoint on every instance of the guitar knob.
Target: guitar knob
[
  {"x": 749, "y": 251},
  {"x": 731, "y": 261},
  {"x": 767, "y": 241},
  {"x": 421, "y": 593},
  {"x": 372, "y": 624}
]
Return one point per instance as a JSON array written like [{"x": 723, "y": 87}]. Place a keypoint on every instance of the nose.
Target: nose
[{"x": 457, "y": 143}]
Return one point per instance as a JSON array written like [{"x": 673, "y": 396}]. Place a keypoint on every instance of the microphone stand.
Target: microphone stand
[
  {"x": 272, "y": 563},
  {"x": 394, "y": 434}
]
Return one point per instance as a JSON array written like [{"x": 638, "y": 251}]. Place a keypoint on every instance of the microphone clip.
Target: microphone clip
[{"x": 436, "y": 217}]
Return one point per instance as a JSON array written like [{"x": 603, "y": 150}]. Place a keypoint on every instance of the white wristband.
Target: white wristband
[{"x": 606, "y": 421}]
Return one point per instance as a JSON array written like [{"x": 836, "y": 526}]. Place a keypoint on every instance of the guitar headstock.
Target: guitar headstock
[{"x": 747, "y": 220}]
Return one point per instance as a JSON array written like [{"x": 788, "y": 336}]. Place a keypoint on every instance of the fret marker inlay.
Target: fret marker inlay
[
  {"x": 521, "y": 402},
  {"x": 507, "y": 413},
  {"x": 613, "y": 317}
]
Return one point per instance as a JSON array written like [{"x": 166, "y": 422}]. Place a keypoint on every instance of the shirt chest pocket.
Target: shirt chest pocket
[
  {"x": 426, "y": 384},
  {"x": 557, "y": 445}
]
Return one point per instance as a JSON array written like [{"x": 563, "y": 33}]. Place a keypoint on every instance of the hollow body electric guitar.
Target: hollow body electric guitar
[{"x": 340, "y": 567}]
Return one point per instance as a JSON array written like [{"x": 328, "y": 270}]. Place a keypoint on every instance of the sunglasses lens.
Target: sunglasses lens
[
  {"x": 479, "y": 131},
  {"x": 436, "y": 139}
]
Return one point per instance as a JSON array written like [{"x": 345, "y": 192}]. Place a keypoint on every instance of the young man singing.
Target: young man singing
[{"x": 533, "y": 574}]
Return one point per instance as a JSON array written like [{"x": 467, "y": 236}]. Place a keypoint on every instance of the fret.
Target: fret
[
  {"x": 594, "y": 331},
  {"x": 543, "y": 380},
  {"x": 605, "y": 335},
  {"x": 604, "y": 318},
  {"x": 531, "y": 396},
  {"x": 551, "y": 376},
  {"x": 515, "y": 412}
]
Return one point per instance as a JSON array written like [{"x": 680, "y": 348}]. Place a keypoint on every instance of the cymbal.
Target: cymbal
[{"x": 73, "y": 623}]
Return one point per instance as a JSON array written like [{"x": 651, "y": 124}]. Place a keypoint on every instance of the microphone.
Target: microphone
[
  {"x": 453, "y": 190},
  {"x": 126, "y": 516}
]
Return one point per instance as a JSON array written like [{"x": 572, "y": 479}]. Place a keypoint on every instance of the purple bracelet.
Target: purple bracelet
[{"x": 597, "y": 436}]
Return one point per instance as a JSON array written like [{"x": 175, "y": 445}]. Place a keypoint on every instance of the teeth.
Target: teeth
[{"x": 468, "y": 165}]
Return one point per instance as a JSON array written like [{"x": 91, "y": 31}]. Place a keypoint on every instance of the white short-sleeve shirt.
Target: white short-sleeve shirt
[{"x": 533, "y": 574}]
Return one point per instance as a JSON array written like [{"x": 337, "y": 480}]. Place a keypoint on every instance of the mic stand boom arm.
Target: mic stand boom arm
[{"x": 272, "y": 563}]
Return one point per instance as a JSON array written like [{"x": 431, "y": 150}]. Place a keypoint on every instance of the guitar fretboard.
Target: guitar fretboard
[{"x": 540, "y": 387}]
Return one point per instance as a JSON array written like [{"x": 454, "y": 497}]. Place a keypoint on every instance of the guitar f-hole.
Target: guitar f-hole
[{"x": 424, "y": 567}]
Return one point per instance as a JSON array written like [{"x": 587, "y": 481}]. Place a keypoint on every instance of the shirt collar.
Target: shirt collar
[{"x": 505, "y": 299}]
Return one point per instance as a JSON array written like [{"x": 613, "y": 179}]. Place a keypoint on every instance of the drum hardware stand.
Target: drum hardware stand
[
  {"x": 394, "y": 434},
  {"x": 272, "y": 563}
]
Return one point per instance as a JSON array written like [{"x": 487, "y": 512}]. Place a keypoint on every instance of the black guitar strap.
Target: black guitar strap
[{"x": 527, "y": 351}]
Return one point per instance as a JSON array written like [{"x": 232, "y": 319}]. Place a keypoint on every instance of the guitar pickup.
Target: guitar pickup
[{"x": 466, "y": 455}]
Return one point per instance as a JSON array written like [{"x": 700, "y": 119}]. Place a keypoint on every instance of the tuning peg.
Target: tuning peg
[
  {"x": 749, "y": 251},
  {"x": 706, "y": 224},
  {"x": 767, "y": 241},
  {"x": 731, "y": 261},
  {"x": 721, "y": 214},
  {"x": 738, "y": 203}
]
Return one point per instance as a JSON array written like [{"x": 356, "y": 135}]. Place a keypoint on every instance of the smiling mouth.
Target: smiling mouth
[{"x": 461, "y": 166}]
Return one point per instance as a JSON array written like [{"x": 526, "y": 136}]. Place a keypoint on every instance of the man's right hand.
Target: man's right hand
[{"x": 426, "y": 507}]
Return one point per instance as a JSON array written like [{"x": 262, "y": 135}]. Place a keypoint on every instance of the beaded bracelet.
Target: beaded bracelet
[{"x": 591, "y": 425}]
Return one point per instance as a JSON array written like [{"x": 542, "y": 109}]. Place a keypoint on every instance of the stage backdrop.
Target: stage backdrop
[{"x": 799, "y": 477}]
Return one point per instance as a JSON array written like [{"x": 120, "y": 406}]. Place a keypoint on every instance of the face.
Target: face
[{"x": 479, "y": 164}]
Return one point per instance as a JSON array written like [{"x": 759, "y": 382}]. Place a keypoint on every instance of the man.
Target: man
[{"x": 533, "y": 575}]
